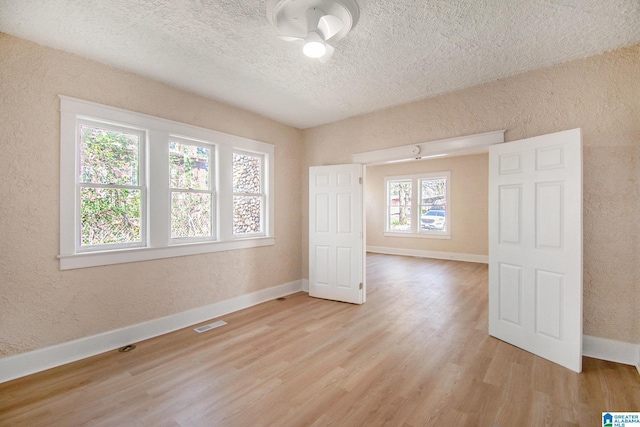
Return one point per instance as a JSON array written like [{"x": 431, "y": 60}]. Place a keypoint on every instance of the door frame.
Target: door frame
[
  {"x": 456, "y": 146},
  {"x": 471, "y": 144}
]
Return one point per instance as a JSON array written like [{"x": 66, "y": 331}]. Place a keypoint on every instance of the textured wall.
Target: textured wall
[
  {"x": 468, "y": 204},
  {"x": 41, "y": 305},
  {"x": 599, "y": 94}
]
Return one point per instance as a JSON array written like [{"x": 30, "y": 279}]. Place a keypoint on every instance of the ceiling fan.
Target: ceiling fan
[{"x": 313, "y": 23}]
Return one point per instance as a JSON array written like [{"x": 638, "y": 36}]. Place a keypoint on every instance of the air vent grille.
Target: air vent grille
[{"x": 210, "y": 326}]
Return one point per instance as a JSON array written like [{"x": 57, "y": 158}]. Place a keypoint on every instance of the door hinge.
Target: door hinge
[
  {"x": 360, "y": 180},
  {"x": 360, "y": 285}
]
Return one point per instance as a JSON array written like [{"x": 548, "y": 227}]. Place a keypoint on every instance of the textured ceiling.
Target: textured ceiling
[{"x": 399, "y": 51}]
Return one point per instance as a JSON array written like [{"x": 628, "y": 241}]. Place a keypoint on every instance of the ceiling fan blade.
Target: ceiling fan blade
[
  {"x": 330, "y": 25},
  {"x": 327, "y": 56},
  {"x": 290, "y": 38}
]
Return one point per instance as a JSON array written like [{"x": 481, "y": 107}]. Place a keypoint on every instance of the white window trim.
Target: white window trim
[
  {"x": 415, "y": 231},
  {"x": 158, "y": 132}
]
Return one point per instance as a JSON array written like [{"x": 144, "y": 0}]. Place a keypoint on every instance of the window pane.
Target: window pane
[
  {"x": 399, "y": 205},
  {"x": 246, "y": 214},
  {"x": 434, "y": 191},
  {"x": 188, "y": 166},
  {"x": 190, "y": 215},
  {"x": 433, "y": 204},
  {"x": 400, "y": 219},
  {"x": 433, "y": 218},
  {"x": 246, "y": 173},
  {"x": 110, "y": 215},
  {"x": 108, "y": 157}
]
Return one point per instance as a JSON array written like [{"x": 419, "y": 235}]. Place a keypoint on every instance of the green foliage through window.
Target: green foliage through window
[
  {"x": 110, "y": 199},
  {"x": 190, "y": 214},
  {"x": 189, "y": 166},
  {"x": 109, "y": 157},
  {"x": 191, "y": 198},
  {"x": 110, "y": 215}
]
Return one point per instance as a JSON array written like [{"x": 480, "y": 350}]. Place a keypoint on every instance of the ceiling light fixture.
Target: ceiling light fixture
[
  {"x": 314, "y": 45},
  {"x": 313, "y": 23}
]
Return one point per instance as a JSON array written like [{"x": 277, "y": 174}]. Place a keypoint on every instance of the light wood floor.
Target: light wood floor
[{"x": 416, "y": 354}]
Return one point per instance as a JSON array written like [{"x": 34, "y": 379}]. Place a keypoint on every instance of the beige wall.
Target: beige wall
[
  {"x": 467, "y": 204},
  {"x": 41, "y": 305},
  {"x": 601, "y": 95}
]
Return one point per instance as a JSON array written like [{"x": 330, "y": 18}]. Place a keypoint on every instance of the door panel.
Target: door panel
[
  {"x": 336, "y": 239},
  {"x": 549, "y": 291},
  {"x": 535, "y": 245},
  {"x": 322, "y": 265},
  {"x": 510, "y": 288},
  {"x": 510, "y": 209},
  {"x": 322, "y": 213},
  {"x": 549, "y": 215}
]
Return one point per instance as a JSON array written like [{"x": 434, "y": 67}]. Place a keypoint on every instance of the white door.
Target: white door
[
  {"x": 336, "y": 233},
  {"x": 535, "y": 245}
]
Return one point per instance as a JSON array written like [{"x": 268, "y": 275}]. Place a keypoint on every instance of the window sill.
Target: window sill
[
  {"x": 121, "y": 256},
  {"x": 446, "y": 236}
]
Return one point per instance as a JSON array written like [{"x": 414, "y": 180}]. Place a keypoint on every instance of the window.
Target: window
[
  {"x": 248, "y": 197},
  {"x": 399, "y": 210},
  {"x": 426, "y": 194},
  {"x": 190, "y": 187},
  {"x": 135, "y": 187},
  {"x": 110, "y": 186},
  {"x": 433, "y": 204}
]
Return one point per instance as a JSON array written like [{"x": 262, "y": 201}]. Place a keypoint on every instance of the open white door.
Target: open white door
[
  {"x": 336, "y": 233},
  {"x": 535, "y": 245}
]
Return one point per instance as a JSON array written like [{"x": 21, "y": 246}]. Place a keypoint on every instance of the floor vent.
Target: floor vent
[{"x": 213, "y": 325}]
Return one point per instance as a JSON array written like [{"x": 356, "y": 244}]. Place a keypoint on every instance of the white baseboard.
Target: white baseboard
[
  {"x": 611, "y": 350},
  {"x": 20, "y": 365},
  {"x": 429, "y": 254}
]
